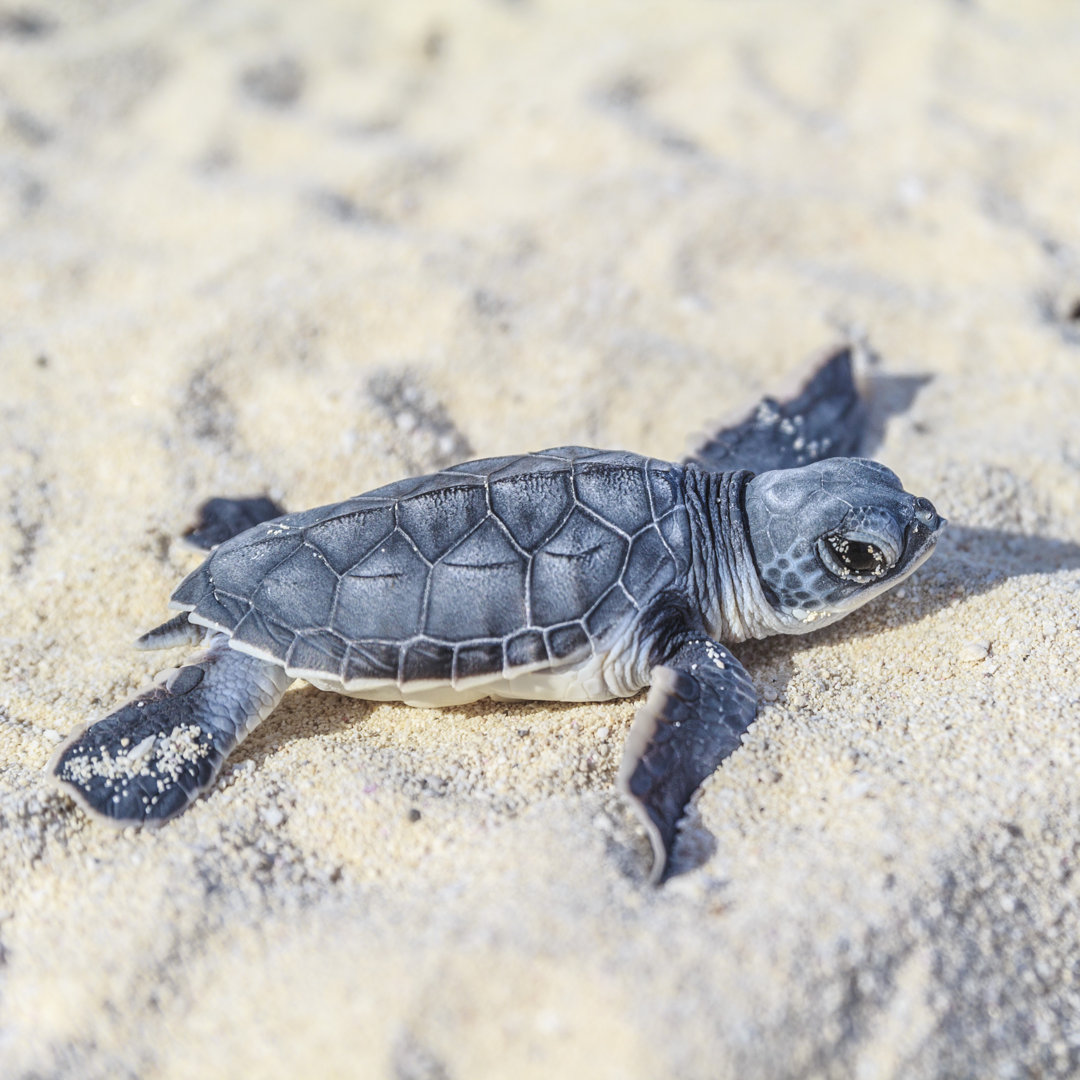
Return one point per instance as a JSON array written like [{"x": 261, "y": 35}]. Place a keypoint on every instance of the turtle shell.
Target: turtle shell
[{"x": 481, "y": 571}]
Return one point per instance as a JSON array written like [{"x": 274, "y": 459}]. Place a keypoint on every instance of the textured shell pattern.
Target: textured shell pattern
[{"x": 483, "y": 570}]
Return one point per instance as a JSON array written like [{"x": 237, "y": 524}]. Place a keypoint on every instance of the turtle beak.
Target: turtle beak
[{"x": 922, "y": 533}]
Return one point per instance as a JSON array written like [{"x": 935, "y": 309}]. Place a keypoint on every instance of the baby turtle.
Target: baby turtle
[{"x": 569, "y": 574}]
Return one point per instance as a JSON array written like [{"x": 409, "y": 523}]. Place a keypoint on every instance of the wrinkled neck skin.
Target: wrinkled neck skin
[{"x": 723, "y": 578}]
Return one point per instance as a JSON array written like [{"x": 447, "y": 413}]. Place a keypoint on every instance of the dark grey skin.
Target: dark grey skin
[{"x": 569, "y": 574}]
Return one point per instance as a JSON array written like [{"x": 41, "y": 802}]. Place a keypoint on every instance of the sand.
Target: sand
[{"x": 302, "y": 250}]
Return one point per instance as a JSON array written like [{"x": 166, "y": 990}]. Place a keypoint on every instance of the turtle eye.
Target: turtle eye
[{"x": 856, "y": 556}]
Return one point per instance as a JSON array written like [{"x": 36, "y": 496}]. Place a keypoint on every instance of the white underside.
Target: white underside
[
  {"x": 588, "y": 681},
  {"x": 599, "y": 677}
]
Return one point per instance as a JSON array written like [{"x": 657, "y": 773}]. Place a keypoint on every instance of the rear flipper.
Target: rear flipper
[
  {"x": 700, "y": 704},
  {"x": 149, "y": 760}
]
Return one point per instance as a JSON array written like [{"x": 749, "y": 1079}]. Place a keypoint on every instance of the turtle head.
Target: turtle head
[{"x": 829, "y": 536}]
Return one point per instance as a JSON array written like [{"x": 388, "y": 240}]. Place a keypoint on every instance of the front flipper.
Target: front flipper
[
  {"x": 826, "y": 418},
  {"x": 700, "y": 704},
  {"x": 149, "y": 760}
]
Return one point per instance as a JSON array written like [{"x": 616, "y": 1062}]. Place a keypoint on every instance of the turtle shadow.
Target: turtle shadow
[
  {"x": 887, "y": 396},
  {"x": 304, "y": 712},
  {"x": 970, "y": 560},
  {"x": 1010, "y": 554},
  {"x": 695, "y": 845},
  {"x": 307, "y": 712}
]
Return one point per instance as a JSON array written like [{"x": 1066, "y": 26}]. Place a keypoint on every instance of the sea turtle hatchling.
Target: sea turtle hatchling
[{"x": 569, "y": 574}]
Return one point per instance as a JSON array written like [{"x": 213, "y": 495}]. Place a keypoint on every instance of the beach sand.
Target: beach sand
[{"x": 303, "y": 250}]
